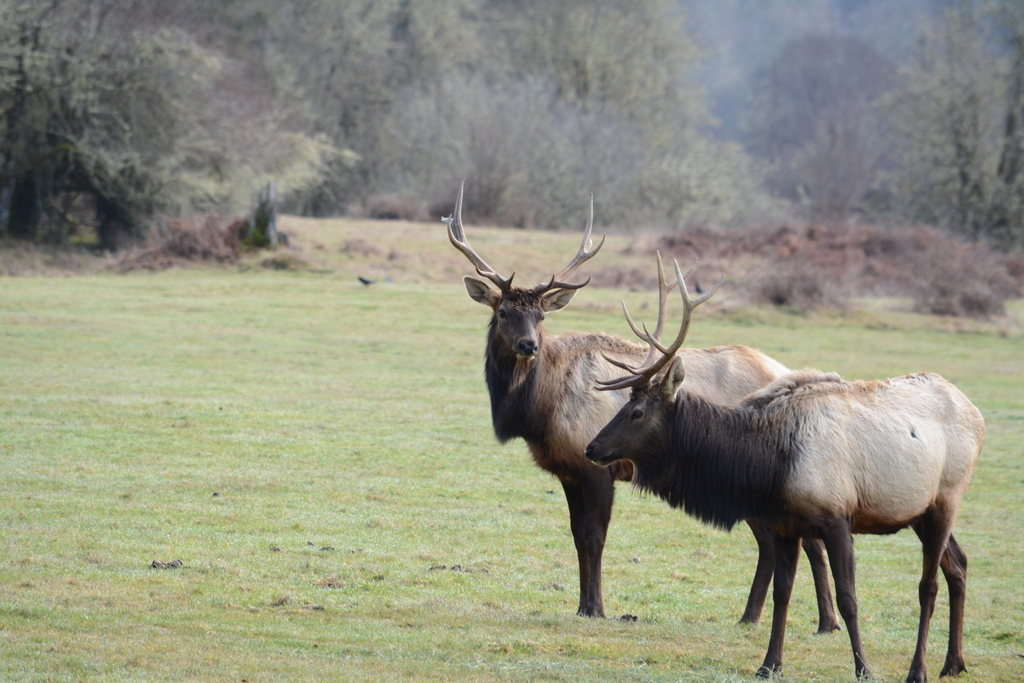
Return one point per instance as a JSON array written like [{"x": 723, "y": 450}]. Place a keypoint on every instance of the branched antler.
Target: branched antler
[
  {"x": 654, "y": 363},
  {"x": 581, "y": 257},
  {"x": 457, "y": 236}
]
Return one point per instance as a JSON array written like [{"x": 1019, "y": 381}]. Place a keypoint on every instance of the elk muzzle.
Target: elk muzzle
[
  {"x": 597, "y": 455},
  {"x": 526, "y": 348}
]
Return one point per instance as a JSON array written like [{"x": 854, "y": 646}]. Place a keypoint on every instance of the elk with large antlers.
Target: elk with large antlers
[
  {"x": 809, "y": 456},
  {"x": 541, "y": 389}
]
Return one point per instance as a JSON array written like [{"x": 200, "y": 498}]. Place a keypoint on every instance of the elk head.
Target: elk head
[
  {"x": 517, "y": 311},
  {"x": 641, "y": 425}
]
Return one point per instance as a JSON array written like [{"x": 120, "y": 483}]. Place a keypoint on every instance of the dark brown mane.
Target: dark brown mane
[
  {"x": 512, "y": 388},
  {"x": 718, "y": 466}
]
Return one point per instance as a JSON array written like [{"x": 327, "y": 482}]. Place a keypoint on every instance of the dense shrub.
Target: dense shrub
[
  {"x": 819, "y": 266},
  {"x": 800, "y": 285},
  {"x": 961, "y": 280},
  {"x": 174, "y": 242}
]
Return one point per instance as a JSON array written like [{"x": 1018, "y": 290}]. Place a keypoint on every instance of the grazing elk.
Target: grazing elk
[
  {"x": 542, "y": 390},
  {"x": 810, "y": 455}
]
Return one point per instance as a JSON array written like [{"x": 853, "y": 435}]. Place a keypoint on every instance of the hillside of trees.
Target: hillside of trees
[{"x": 673, "y": 113}]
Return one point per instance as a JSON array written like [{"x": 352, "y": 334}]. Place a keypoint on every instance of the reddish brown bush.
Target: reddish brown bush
[
  {"x": 961, "y": 280},
  {"x": 799, "y": 285},
  {"x": 824, "y": 266},
  {"x": 174, "y": 242},
  {"x": 1015, "y": 269}
]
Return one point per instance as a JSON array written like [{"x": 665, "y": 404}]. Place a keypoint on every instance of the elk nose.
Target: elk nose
[
  {"x": 589, "y": 452},
  {"x": 527, "y": 347}
]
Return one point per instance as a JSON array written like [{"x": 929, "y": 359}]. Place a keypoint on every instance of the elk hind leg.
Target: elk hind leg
[
  {"x": 838, "y": 540},
  {"x": 954, "y": 568},
  {"x": 787, "y": 554},
  {"x": 933, "y": 529}
]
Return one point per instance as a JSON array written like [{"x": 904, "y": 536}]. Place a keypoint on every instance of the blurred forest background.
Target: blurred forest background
[{"x": 675, "y": 113}]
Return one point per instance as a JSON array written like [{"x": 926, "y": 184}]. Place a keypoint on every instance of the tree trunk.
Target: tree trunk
[{"x": 271, "y": 209}]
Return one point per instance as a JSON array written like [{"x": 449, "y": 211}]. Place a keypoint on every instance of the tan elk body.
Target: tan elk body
[
  {"x": 541, "y": 389},
  {"x": 809, "y": 456},
  {"x": 879, "y": 452}
]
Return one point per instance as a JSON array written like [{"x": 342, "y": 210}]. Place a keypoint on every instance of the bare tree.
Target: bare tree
[
  {"x": 1006, "y": 223},
  {"x": 152, "y": 107},
  {"x": 956, "y": 124},
  {"x": 813, "y": 116}
]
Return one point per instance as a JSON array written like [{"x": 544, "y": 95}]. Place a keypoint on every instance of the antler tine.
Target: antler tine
[
  {"x": 688, "y": 306},
  {"x": 553, "y": 284},
  {"x": 632, "y": 325},
  {"x": 651, "y": 366},
  {"x": 642, "y": 374},
  {"x": 619, "y": 364},
  {"x": 622, "y": 382},
  {"x": 457, "y": 236},
  {"x": 663, "y": 289},
  {"x": 581, "y": 257},
  {"x": 634, "y": 378}
]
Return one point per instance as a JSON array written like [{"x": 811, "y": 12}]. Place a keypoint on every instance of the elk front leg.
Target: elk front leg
[
  {"x": 598, "y": 496},
  {"x": 590, "y": 511},
  {"x": 838, "y": 540},
  {"x": 815, "y": 551},
  {"x": 574, "y": 497},
  {"x": 787, "y": 554},
  {"x": 762, "y": 574}
]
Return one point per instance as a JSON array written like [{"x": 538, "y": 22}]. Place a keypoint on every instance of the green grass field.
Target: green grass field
[{"x": 313, "y": 451}]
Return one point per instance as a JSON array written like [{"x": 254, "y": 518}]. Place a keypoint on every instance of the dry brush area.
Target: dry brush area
[{"x": 801, "y": 267}]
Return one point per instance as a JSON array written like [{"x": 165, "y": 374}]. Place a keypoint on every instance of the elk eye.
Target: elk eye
[
  {"x": 636, "y": 414},
  {"x": 502, "y": 314},
  {"x": 542, "y": 316}
]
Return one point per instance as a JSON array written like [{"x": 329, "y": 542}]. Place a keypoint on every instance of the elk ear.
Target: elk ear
[
  {"x": 557, "y": 299},
  {"x": 480, "y": 292},
  {"x": 673, "y": 379}
]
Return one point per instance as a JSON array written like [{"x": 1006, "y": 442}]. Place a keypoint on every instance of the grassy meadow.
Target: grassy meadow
[{"x": 318, "y": 455}]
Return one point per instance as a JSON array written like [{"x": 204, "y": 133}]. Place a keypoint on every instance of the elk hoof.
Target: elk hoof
[
  {"x": 917, "y": 676},
  {"x": 953, "y": 668}
]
